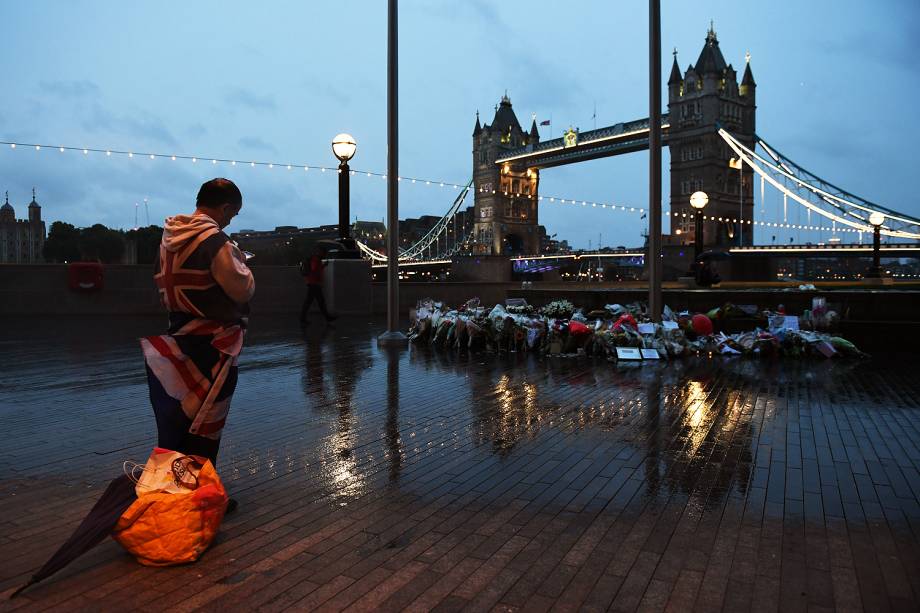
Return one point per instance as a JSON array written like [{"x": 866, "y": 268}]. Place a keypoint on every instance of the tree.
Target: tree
[
  {"x": 102, "y": 244},
  {"x": 62, "y": 244},
  {"x": 147, "y": 241}
]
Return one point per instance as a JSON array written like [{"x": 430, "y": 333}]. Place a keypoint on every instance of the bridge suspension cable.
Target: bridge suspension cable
[
  {"x": 846, "y": 209},
  {"x": 415, "y": 251}
]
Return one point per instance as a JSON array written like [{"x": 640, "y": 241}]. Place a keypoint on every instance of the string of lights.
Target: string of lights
[
  {"x": 214, "y": 161},
  {"x": 675, "y": 214},
  {"x": 195, "y": 159}
]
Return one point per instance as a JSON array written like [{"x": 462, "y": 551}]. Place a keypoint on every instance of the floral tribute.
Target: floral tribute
[{"x": 559, "y": 328}]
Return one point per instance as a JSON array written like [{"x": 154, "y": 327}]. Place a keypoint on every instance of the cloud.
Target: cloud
[
  {"x": 319, "y": 88},
  {"x": 546, "y": 86},
  {"x": 141, "y": 124},
  {"x": 196, "y": 130},
  {"x": 70, "y": 89},
  {"x": 239, "y": 97},
  {"x": 256, "y": 143},
  {"x": 84, "y": 190}
]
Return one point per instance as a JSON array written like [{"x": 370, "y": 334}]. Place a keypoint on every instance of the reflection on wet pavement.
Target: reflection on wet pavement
[{"x": 488, "y": 480}]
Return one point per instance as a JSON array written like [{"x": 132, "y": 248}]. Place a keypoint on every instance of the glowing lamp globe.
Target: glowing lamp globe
[
  {"x": 699, "y": 200},
  {"x": 876, "y": 218},
  {"x": 344, "y": 147}
]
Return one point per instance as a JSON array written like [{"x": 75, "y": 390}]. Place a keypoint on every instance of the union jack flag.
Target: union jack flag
[
  {"x": 173, "y": 279},
  {"x": 200, "y": 394}
]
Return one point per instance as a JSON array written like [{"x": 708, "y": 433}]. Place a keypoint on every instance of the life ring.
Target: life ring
[{"x": 85, "y": 277}]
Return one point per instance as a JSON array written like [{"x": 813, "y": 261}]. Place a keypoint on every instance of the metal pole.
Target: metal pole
[
  {"x": 697, "y": 233},
  {"x": 392, "y": 336},
  {"x": 740, "y": 202},
  {"x": 344, "y": 196},
  {"x": 876, "y": 271},
  {"x": 654, "y": 148}
]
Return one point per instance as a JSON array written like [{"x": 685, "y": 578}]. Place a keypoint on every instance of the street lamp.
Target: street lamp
[
  {"x": 344, "y": 147},
  {"x": 876, "y": 219},
  {"x": 737, "y": 163},
  {"x": 698, "y": 201}
]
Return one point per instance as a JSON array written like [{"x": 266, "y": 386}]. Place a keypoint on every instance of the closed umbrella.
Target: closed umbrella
[{"x": 97, "y": 525}]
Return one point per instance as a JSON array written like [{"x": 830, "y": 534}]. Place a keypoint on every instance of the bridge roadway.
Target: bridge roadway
[{"x": 603, "y": 142}]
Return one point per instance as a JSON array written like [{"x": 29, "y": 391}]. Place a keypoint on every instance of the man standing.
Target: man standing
[
  {"x": 312, "y": 271},
  {"x": 205, "y": 286}
]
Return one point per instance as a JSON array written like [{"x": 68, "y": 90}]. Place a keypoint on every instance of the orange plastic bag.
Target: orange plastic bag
[{"x": 162, "y": 528}]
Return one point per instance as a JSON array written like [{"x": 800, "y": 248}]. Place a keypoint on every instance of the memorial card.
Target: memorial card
[{"x": 629, "y": 353}]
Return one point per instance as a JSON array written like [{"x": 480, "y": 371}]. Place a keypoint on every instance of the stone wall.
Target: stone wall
[{"x": 41, "y": 289}]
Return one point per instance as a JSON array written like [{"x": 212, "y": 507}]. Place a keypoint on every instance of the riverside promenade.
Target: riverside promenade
[{"x": 429, "y": 480}]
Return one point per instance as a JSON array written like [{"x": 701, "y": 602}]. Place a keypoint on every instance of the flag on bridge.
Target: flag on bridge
[{"x": 545, "y": 122}]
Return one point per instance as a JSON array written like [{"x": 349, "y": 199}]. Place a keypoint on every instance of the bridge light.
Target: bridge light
[{"x": 876, "y": 218}]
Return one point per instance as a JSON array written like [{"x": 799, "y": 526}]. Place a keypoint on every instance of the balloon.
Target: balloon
[{"x": 701, "y": 324}]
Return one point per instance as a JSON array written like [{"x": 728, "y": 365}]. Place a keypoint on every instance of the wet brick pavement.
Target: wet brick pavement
[{"x": 438, "y": 481}]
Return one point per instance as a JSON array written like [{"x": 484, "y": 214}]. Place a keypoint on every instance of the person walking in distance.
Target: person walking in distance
[
  {"x": 205, "y": 286},
  {"x": 312, "y": 271}
]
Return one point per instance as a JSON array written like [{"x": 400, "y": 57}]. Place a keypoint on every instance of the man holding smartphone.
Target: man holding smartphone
[{"x": 205, "y": 286}]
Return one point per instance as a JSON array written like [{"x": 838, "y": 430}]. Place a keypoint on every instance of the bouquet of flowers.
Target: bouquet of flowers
[
  {"x": 522, "y": 309},
  {"x": 558, "y": 309}
]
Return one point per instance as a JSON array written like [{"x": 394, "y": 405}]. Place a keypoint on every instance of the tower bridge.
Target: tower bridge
[
  {"x": 507, "y": 160},
  {"x": 709, "y": 129}
]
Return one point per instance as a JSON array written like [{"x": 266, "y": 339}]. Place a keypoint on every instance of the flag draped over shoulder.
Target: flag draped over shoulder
[{"x": 194, "y": 367}]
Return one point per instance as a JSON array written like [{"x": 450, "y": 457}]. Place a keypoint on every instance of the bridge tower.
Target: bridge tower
[
  {"x": 505, "y": 195},
  {"x": 709, "y": 94}
]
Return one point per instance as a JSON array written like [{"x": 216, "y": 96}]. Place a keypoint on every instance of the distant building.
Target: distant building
[
  {"x": 371, "y": 233},
  {"x": 414, "y": 229},
  {"x": 21, "y": 240},
  {"x": 458, "y": 238},
  {"x": 281, "y": 236}
]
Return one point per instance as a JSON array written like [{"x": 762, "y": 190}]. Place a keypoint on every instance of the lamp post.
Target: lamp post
[
  {"x": 875, "y": 271},
  {"x": 698, "y": 201},
  {"x": 344, "y": 147},
  {"x": 737, "y": 163}
]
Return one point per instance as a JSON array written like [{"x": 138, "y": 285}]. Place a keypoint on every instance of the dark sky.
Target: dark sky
[{"x": 837, "y": 92}]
